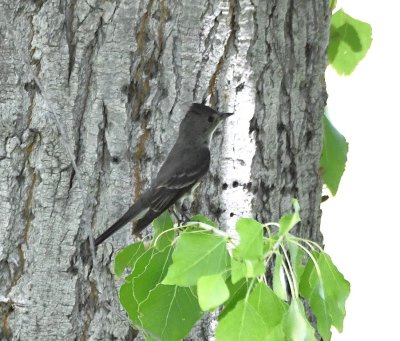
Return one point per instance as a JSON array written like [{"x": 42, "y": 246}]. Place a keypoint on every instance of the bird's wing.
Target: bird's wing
[
  {"x": 185, "y": 171},
  {"x": 175, "y": 179}
]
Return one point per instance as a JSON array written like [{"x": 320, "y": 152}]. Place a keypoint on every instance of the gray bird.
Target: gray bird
[{"x": 186, "y": 164}]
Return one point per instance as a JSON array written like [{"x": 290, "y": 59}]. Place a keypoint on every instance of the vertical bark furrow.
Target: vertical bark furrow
[{"x": 287, "y": 166}]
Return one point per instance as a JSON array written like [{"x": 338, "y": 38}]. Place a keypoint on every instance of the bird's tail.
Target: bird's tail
[{"x": 134, "y": 213}]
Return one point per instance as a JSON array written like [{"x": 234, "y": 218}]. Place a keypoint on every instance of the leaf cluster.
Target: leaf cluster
[{"x": 180, "y": 276}]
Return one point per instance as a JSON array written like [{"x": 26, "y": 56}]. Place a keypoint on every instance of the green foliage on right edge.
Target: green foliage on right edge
[
  {"x": 350, "y": 39},
  {"x": 349, "y": 42},
  {"x": 205, "y": 269},
  {"x": 333, "y": 157}
]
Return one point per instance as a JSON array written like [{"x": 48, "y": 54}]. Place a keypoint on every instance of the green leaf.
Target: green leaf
[
  {"x": 258, "y": 317},
  {"x": 297, "y": 255},
  {"x": 315, "y": 295},
  {"x": 288, "y": 221},
  {"x": 170, "y": 312},
  {"x": 268, "y": 304},
  {"x": 279, "y": 279},
  {"x": 128, "y": 303},
  {"x": 202, "y": 219},
  {"x": 251, "y": 239},
  {"x": 333, "y": 157},
  {"x": 321, "y": 311},
  {"x": 127, "y": 257},
  {"x": 327, "y": 297},
  {"x": 197, "y": 254},
  {"x": 150, "y": 268},
  {"x": 248, "y": 260},
  {"x": 237, "y": 291},
  {"x": 349, "y": 42},
  {"x": 246, "y": 268},
  {"x": 212, "y": 291},
  {"x": 150, "y": 272},
  {"x": 162, "y": 237},
  {"x": 296, "y": 325}
]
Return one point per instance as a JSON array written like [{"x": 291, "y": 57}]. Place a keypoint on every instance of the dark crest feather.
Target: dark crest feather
[{"x": 198, "y": 108}]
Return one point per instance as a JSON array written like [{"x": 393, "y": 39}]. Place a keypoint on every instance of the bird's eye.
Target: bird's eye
[{"x": 210, "y": 119}]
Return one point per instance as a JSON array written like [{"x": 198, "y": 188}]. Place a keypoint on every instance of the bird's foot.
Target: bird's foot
[{"x": 183, "y": 218}]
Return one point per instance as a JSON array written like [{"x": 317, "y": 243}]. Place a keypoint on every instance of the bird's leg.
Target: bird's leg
[
  {"x": 184, "y": 217},
  {"x": 172, "y": 210}
]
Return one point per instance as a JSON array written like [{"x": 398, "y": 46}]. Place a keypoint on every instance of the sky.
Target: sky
[{"x": 360, "y": 227}]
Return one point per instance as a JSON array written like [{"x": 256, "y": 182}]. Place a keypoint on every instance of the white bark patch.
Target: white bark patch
[
  {"x": 238, "y": 151},
  {"x": 238, "y": 145}
]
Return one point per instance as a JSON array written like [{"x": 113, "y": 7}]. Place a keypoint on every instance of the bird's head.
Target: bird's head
[{"x": 201, "y": 122}]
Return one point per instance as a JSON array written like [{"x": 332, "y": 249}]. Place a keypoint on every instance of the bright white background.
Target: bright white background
[{"x": 360, "y": 224}]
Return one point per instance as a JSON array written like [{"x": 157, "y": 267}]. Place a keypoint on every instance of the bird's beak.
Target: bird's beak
[{"x": 226, "y": 114}]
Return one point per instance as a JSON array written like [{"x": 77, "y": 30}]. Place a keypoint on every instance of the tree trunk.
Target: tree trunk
[{"x": 104, "y": 84}]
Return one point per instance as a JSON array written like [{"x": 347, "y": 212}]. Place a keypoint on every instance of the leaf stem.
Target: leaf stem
[{"x": 311, "y": 257}]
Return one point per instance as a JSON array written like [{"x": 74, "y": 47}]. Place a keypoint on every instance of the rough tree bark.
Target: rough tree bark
[{"x": 110, "y": 79}]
